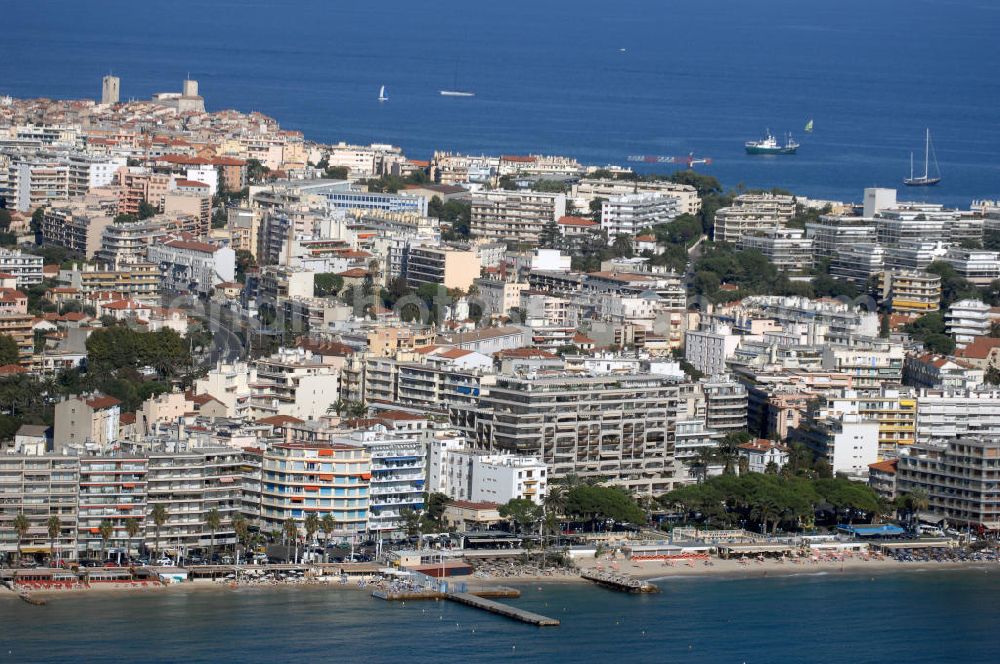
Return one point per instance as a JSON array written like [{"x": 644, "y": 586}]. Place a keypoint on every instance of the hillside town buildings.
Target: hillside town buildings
[{"x": 321, "y": 378}]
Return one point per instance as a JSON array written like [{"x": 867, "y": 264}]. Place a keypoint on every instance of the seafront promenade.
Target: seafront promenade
[{"x": 392, "y": 583}]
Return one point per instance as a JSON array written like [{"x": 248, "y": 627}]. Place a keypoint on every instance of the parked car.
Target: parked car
[{"x": 165, "y": 562}]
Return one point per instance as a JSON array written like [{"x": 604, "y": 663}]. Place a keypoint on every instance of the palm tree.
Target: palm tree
[
  {"x": 764, "y": 510},
  {"x": 700, "y": 462},
  {"x": 55, "y": 527},
  {"x": 312, "y": 525},
  {"x": 556, "y": 500},
  {"x": 213, "y": 520},
  {"x": 106, "y": 530},
  {"x": 728, "y": 452},
  {"x": 328, "y": 524},
  {"x": 159, "y": 515},
  {"x": 291, "y": 532},
  {"x": 241, "y": 529},
  {"x": 908, "y": 505},
  {"x": 132, "y": 529},
  {"x": 21, "y": 526},
  {"x": 412, "y": 524}
]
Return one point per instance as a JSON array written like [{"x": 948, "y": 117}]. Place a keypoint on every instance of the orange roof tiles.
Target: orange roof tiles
[
  {"x": 101, "y": 403},
  {"x": 887, "y": 466}
]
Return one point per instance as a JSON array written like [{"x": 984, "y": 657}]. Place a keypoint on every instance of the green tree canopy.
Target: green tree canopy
[
  {"x": 521, "y": 512},
  {"x": 596, "y": 502},
  {"x": 9, "y": 353},
  {"x": 326, "y": 284},
  {"x": 146, "y": 210}
]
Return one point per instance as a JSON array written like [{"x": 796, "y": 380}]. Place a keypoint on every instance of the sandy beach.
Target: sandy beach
[
  {"x": 776, "y": 567},
  {"x": 648, "y": 570}
]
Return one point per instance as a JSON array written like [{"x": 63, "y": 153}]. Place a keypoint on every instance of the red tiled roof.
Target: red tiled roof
[
  {"x": 887, "y": 466},
  {"x": 192, "y": 183},
  {"x": 762, "y": 445},
  {"x": 100, "y": 403},
  {"x": 279, "y": 420},
  {"x": 454, "y": 353},
  {"x": 332, "y": 348},
  {"x": 569, "y": 220},
  {"x": 979, "y": 349},
  {"x": 518, "y": 158},
  {"x": 227, "y": 161},
  {"x": 200, "y": 399},
  {"x": 126, "y": 418},
  {"x": 353, "y": 253},
  {"x": 534, "y": 353},
  {"x": 203, "y": 247},
  {"x": 353, "y": 273},
  {"x": 184, "y": 159},
  {"x": 399, "y": 415},
  {"x": 470, "y": 505},
  {"x": 11, "y": 369}
]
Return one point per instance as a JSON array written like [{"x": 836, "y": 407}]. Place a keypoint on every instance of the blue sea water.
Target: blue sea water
[
  {"x": 552, "y": 77},
  {"x": 911, "y": 617}
]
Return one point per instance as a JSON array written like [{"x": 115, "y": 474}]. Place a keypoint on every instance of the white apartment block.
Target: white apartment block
[
  {"x": 632, "y": 213},
  {"x": 977, "y": 265},
  {"x": 26, "y": 268},
  {"x": 398, "y": 475},
  {"x": 294, "y": 382},
  {"x": 465, "y": 474},
  {"x": 230, "y": 384},
  {"x": 834, "y": 234},
  {"x": 966, "y": 320},
  {"x": 848, "y": 442},
  {"x": 515, "y": 216},
  {"x": 751, "y": 213},
  {"x": 590, "y": 188},
  {"x": 708, "y": 350},
  {"x": 957, "y": 414},
  {"x": 787, "y": 248},
  {"x": 193, "y": 266},
  {"x": 881, "y": 364}
]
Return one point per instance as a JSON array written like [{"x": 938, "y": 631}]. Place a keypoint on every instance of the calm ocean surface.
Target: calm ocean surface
[
  {"x": 897, "y": 617},
  {"x": 550, "y": 77}
]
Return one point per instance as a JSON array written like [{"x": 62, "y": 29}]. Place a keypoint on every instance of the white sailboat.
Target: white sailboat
[
  {"x": 381, "y": 94},
  {"x": 454, "y": 91},
  {"x": 926, "y": 179}
]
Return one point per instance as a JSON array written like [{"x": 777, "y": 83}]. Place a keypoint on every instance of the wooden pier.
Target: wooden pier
[
  {"x": 476, "y": 598},
  {"x": 621, "y": 582},
  {"x": 503, "y": 610},
  {"x": 503, "y": 592}
]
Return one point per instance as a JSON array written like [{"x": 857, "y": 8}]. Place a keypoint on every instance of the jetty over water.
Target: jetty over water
[
  {"x": 476, "y": 598},
  {"x": 617, "y": 581},
  {"x": 503, "y": 609}
]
